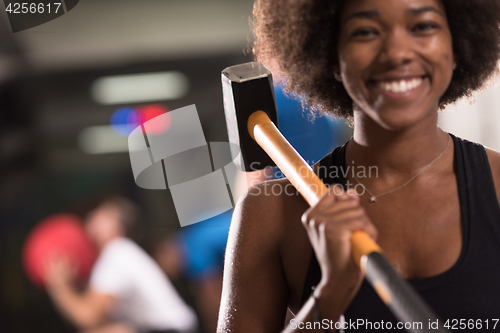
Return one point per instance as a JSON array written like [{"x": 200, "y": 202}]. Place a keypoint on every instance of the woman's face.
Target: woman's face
[{"x": 396, "y": 58}]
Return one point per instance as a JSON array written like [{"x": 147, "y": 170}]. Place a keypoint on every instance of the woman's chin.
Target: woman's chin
[
  {"x": 398, "y": 120},
  {"x": 395, "y": 125}
]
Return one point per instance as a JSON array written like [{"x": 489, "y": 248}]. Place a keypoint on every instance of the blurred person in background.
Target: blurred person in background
[
  {"x": 196, "y": 253},
  {"x": 127, "y": 291}
]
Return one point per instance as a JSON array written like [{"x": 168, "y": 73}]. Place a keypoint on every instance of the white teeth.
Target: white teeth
[{"x": 400, "y": 86}]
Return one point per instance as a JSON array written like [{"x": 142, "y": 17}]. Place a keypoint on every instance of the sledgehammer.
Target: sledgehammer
[{"x": 250, "y": 111}]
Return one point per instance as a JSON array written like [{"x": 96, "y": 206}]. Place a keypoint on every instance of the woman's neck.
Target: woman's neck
[{"x": 398, "y": 152}]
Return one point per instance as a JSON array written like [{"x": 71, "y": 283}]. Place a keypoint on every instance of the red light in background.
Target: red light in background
[
  {"x": 148, "y": 112},
  {"x": 125, "y": 120}
]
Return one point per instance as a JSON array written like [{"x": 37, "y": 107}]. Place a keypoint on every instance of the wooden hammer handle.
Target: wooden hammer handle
[{"x": 301, "y": 175}]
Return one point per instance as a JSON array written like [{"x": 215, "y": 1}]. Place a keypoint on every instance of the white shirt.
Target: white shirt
[{"x": 145, "y": 297}]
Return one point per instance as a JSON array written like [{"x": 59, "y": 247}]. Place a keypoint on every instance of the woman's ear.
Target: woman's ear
[{"x": 336, "y": 73}]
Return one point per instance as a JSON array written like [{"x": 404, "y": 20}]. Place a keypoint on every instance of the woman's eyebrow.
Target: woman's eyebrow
[
  {"x": 374, "y": 13},
  {"x": 363, "y": 14},
  {"x": 421, "y": 10}
]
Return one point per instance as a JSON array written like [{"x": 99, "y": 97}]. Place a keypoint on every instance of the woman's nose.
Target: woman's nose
[{"x": 397, "y": 48}]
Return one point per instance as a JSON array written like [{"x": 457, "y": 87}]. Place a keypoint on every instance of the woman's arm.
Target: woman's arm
[{"x": 255, "y": 294}]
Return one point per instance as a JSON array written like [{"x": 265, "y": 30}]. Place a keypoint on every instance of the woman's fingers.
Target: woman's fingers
[
  {"x": 331, "y": 222},
  {"x": 335, "y": 194},
  {"x": 346, "y": 216},
  {"x": 330, "y": 225},
  {"x": 337, "y": 211}
]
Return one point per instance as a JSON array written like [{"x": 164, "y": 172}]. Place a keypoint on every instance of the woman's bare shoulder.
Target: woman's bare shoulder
[
  {"x": 494, "y": 159},
  {"x": 271, "y": 201}
]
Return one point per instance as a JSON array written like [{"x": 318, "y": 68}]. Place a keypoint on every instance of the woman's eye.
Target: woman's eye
[
  {"x": 425, "y": 27},
  {"x": 365, "y": 32}
]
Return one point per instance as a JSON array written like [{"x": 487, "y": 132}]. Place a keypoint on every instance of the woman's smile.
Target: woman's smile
[
  {"x": 395, "y": 59},
  {"x": 399, "y": 86},
  {"x": 397, "y": 90}
]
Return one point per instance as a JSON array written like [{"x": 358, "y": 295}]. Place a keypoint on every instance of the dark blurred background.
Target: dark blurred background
[
  {"x": 46, "y": 105},
  {"x": 47, "y": 109}
]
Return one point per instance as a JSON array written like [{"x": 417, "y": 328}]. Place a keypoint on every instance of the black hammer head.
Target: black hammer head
[{"x": 247, "y": 88}]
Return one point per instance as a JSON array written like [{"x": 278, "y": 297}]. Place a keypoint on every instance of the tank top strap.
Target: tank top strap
[
  {"x": 332, "y": 167},
  {"x": 331, "y": 171},
  {"x": 477, "y": 179},
  {"x": 482, "y": 232}
]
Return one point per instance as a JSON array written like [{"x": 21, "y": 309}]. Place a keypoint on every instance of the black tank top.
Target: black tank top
[{"x": 470, "y": 289}]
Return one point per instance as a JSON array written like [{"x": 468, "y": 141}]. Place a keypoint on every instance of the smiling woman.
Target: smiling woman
[
  {"x": 389, "y": 66},
  {"x": 395, "y": 56},
  {"x": 302, "y": 36}
]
